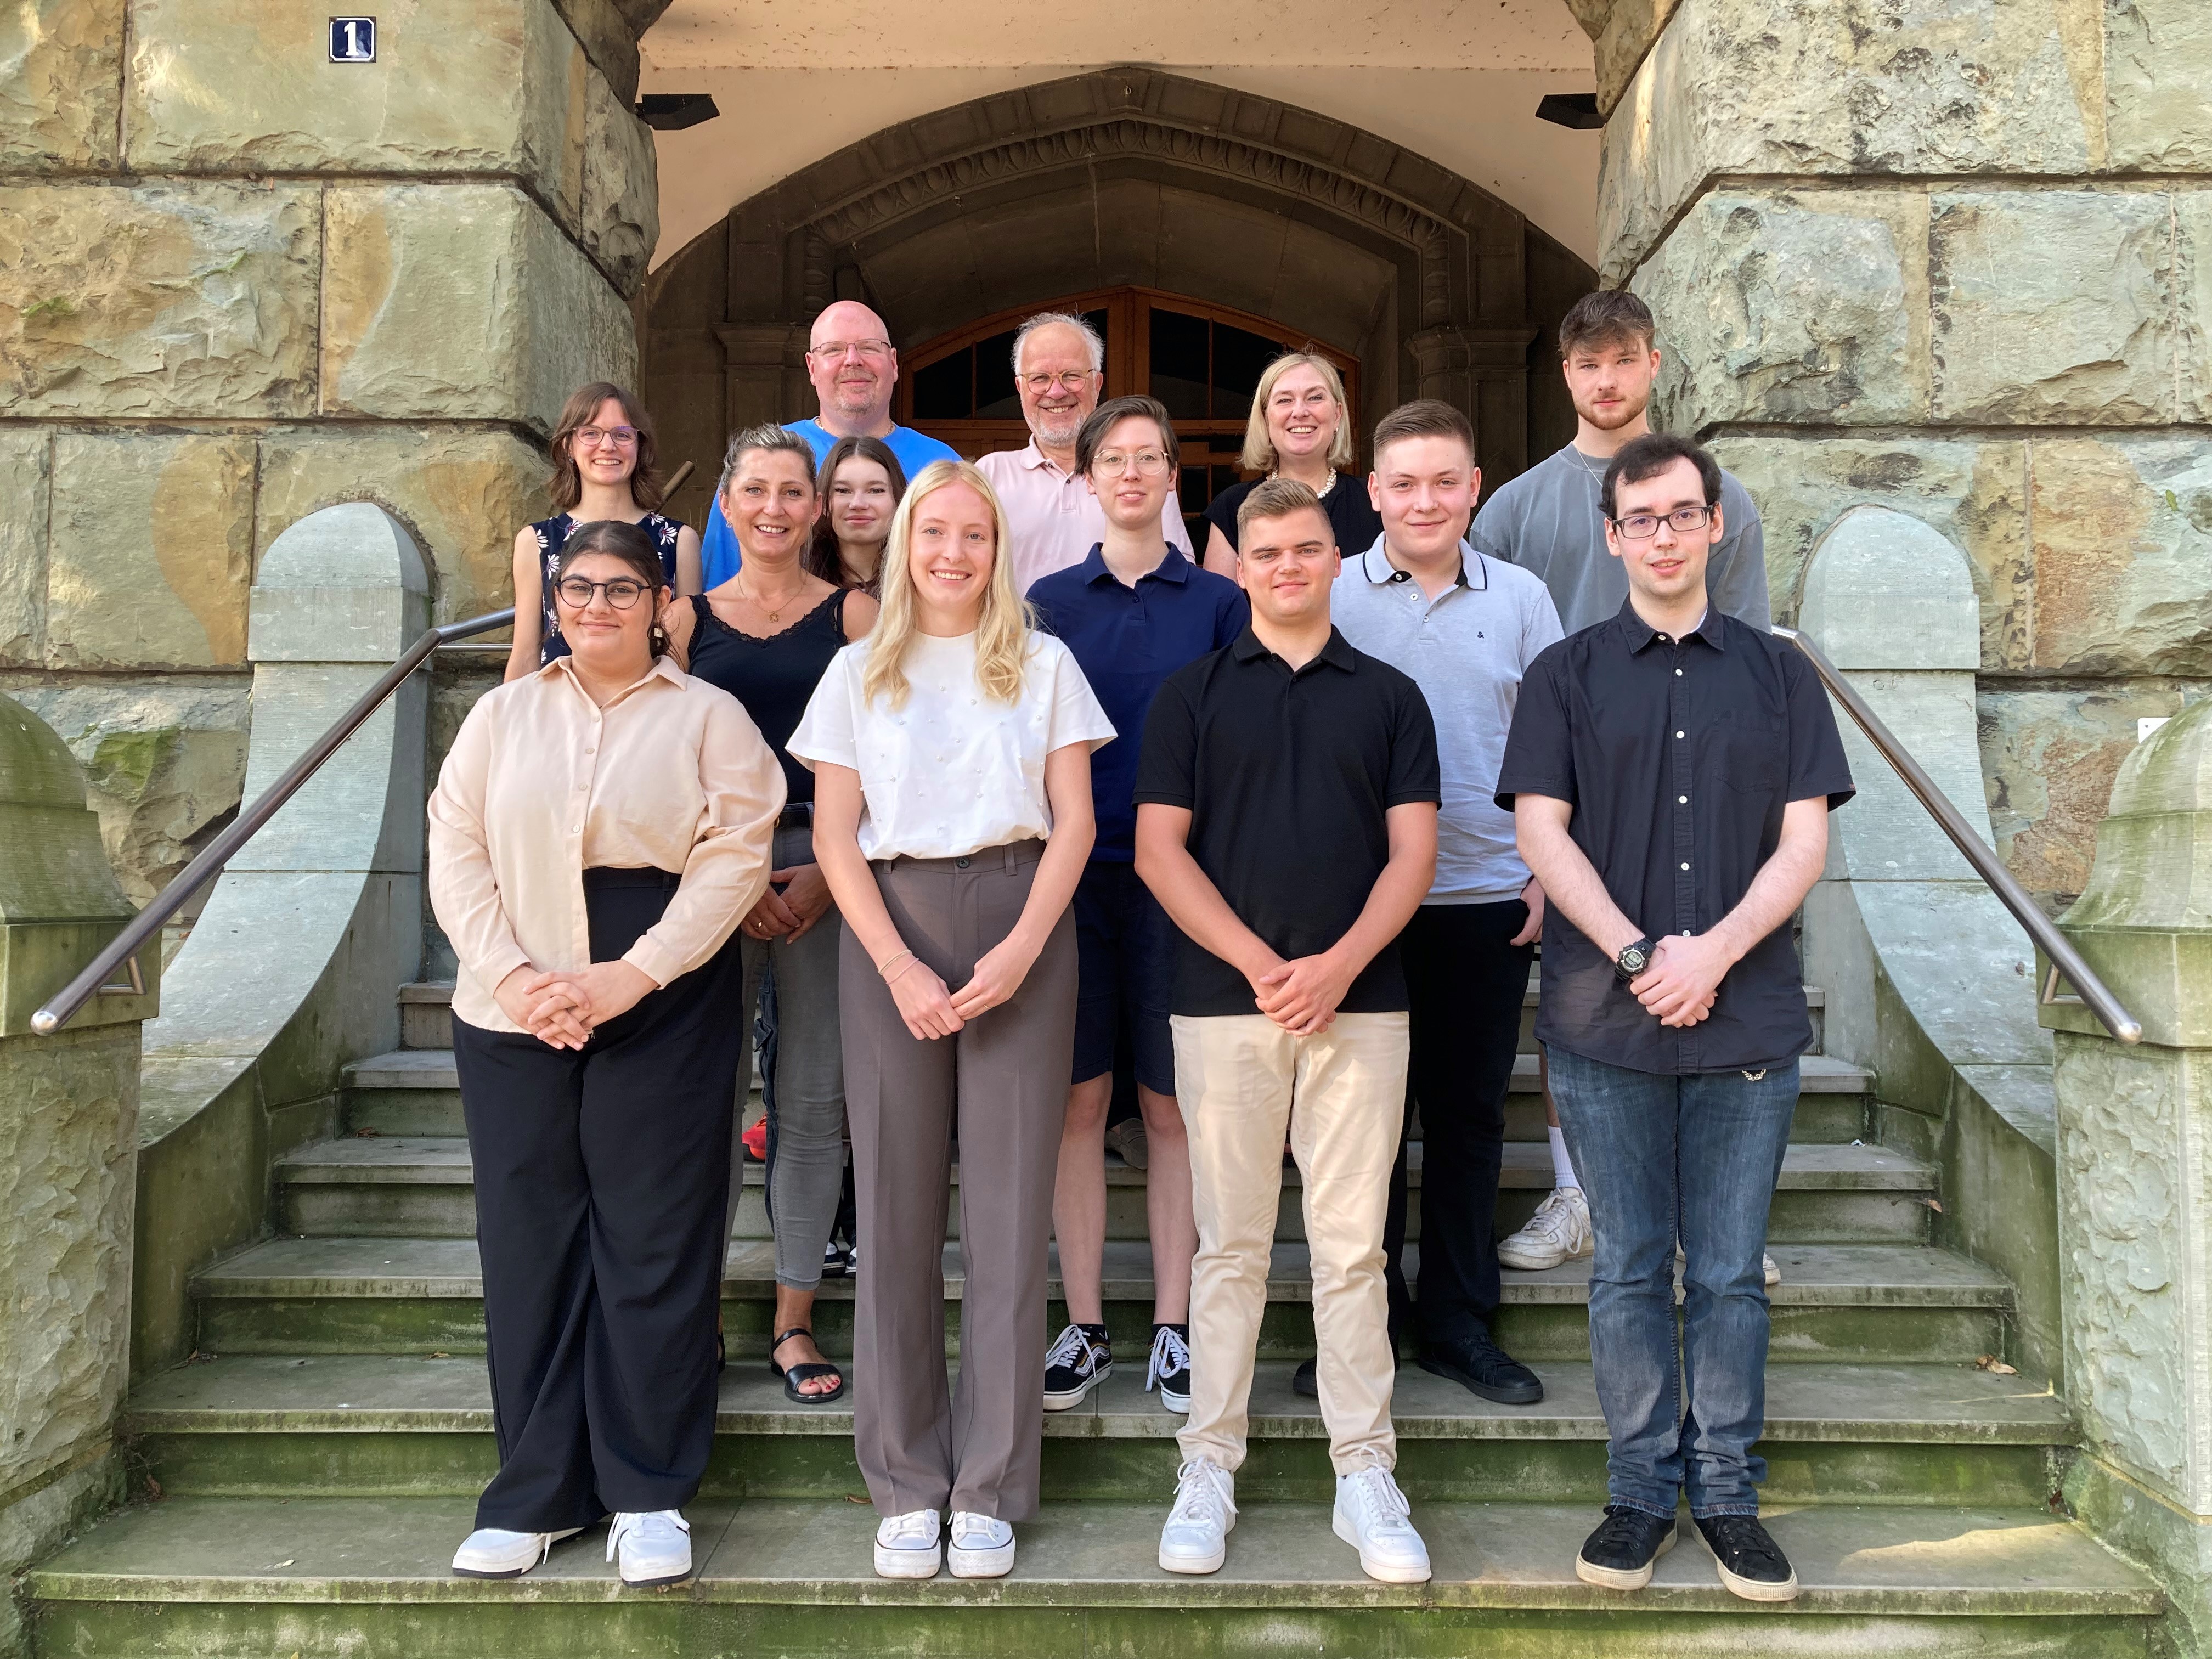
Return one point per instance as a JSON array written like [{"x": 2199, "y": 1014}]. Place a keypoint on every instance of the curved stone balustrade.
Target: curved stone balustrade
[{"x": 288, "y": 974}]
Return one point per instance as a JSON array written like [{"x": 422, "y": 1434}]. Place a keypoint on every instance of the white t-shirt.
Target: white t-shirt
[{"x": 954, "y": 770}]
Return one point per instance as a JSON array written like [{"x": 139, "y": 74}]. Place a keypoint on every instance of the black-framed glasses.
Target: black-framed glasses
[
  {"x": 576, "y": 593},
  {"x": 1642, "y": 526}
]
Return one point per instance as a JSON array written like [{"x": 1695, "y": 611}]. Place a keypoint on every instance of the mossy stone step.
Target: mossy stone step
[
  {"x": 1897, "y": 1303},
  {"x": 372, "y": 1425},
  {"x": 326, "y": 1577},
  {"x": 421, "y": 1187}
]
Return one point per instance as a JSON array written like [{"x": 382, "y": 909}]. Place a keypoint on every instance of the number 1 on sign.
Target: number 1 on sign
[{"x": 353, "y": 39}]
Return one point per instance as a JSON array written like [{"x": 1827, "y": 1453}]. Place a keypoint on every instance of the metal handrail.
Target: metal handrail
[
  {"x": 125, "y": 945},
  {"x": 2064, "y": 958}
]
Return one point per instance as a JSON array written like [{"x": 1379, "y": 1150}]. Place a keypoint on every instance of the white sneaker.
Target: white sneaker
[
  {"x": 654, "y": 1547},
  {"x": 906, "y": 1547},
  {"x": 1373, "y": 1516},
  {"x": 1766, "y": 1265},
  {"x": 980, "y": 1546},
  {"x": 1558, "y": 1232},
  {"x": 1195, "y": 1537},
  {"x": 493, "y": 1552}
]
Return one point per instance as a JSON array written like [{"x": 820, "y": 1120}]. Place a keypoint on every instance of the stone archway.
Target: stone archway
[{"x": 1122, "y": 176}]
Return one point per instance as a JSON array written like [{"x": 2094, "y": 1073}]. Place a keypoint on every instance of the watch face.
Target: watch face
[{"x": 1634, "y": 960}]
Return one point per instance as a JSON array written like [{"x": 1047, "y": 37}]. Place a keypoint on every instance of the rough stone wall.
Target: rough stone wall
[
  {"x": 239, "y": 282},
  {"x": 1954, "y": 258}
]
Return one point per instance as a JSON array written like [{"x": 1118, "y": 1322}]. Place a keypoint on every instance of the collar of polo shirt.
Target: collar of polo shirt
[
  {"x": 1173, "y": 568},
  {"x": 1375, "y": 565},
  {"x": 1337, "y": 654}
]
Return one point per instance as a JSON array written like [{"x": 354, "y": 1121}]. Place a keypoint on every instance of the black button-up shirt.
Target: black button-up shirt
[
  {"x": 1677, "y": 756},
  {"x": 1288, "y": 778}
]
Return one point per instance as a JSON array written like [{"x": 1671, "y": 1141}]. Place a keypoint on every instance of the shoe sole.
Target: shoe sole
[
  {"x": 656, "y": 1584},
  {"x": 1631, "y": 1578},
  {"x": 1755, "y": 1590},
  {"x": 1068, "y": 1400},
  {"x": 517, "y": 1572},
  {"x": 907, "y": 1564},
  {"x": 1381, "y": 1574},
  {"x": 1523, "y": 1262},
  {"x": 979, "y": 1564},
  {"x": 1178, "y": 1403},
  {"x": 1527, "y": 1394}
]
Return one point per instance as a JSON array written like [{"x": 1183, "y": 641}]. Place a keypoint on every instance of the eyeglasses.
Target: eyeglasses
[
  {"x": 1641, "y": 526},
  {"x": 1073, "y": 379},
  {"x": 621, "y": 436},
  {"x": 831, "y": 351},
  {"x": 576, "y": 593},
  {"x": 1148, "y": 463}
]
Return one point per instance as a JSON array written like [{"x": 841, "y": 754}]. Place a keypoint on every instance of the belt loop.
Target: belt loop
[{"x": 1007, "y": 852}]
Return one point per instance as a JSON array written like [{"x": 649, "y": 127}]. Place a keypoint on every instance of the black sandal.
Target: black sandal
[{"x": 807, "y": 1372}]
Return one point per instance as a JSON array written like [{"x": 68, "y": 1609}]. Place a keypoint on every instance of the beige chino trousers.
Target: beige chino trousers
[{"x": 1241, "y": 1080}]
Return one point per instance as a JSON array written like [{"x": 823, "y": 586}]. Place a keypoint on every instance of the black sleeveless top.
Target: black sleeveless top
[
  {"x": 773, "y": 678},
  {"x": 551, "y": 533}
]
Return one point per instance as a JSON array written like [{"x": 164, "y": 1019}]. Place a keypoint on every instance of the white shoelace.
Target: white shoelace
[
  {"x": 1169, "y": 1348},
  {"x": 918, "y": 1525},
  {"x": 1202, "y": 1493},
  {"x": 1074, "y": 1344},
  {"x": 1378, "y": 1494},
  {"x": 1554, "y": 1218}
]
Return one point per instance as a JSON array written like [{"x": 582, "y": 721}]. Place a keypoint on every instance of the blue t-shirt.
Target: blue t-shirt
[
  {"x": 1127, "y": 641},
  {"x": 718, "y": 557}
]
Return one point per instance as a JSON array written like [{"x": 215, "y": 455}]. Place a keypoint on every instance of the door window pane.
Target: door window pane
[
  {"x": 1179, "y": 363},
  {"x": 944, "y": 391},
  {"x": 1238, "y": 357},
  {"x": 995, "y": 398}
]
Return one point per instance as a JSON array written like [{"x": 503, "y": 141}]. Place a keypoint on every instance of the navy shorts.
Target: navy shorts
[{"x": 1125, "y": 948}]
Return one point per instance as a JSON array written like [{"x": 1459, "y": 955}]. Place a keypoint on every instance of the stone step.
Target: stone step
[
  {"x": 376, "y": 1425},
  {"x": 322, "y": 1577},
  {"x": 426, "y": 1014},
  {"x": 412, "y": 1186},
  {"x": 1897, "y": 1303},
  {"x": 414, "y": 1091}
]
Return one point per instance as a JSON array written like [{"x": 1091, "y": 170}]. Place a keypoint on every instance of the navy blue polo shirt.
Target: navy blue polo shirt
[{"x": 1127, "y": 641}]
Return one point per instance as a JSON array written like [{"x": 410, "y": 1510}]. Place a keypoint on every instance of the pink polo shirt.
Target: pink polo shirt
[{"x": 1055, "y": 518}]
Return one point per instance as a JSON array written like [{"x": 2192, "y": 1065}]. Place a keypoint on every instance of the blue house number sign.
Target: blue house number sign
[{"x": 353, "y": 39}]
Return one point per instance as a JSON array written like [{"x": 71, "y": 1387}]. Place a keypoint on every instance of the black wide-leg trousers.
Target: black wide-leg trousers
[{"x": 602, "y": 1182}]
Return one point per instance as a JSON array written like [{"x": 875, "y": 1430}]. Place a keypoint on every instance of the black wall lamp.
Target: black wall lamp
[{"x": 672, "y": 112}]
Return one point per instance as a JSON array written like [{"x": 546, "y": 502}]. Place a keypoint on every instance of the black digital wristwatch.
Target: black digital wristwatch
[{"x": 1633, "y": 960}]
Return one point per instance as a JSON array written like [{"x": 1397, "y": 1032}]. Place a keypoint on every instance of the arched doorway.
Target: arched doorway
[
  {"x": 1203, "y": 360},
  {"x": 1276, "y": 221}
]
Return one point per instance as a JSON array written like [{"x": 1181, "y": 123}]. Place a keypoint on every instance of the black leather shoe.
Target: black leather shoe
[
  {"x": 1306, "y": 1380},
  {"x": 1479, "y": 1365},
  {"x": 1619, "y": 1553},
  {"x": 1751, "y": 1564}
]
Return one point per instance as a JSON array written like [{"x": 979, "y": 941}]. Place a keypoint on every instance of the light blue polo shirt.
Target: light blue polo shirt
[{"x": 1466, "y": 649}]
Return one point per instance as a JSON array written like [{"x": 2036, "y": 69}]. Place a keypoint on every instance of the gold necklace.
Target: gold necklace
[{"x": 776, "y": 615}]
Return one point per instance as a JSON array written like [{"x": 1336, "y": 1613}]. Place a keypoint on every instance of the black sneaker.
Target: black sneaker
[
  {"x": 1170, "y": 1366},
  {"x": 1306, "y": 1380},
  {"x": 1079, "y": 1359},
  {"x": 1619, "y": 1553},
  {"x": 1481, "y": 1367},
  {"x": 1751, "y": 1564}
]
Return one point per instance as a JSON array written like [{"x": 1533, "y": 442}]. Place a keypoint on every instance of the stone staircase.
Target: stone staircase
[{"x": 315, "y": 1465}]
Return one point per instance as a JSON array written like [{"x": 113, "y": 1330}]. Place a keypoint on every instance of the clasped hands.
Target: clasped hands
[
  {"x": 562, "y": 1008},
  {"x": 788, "y": 914},
  {"x": 931, "y": 1010},
  {"x": 1301, "y": 995},
  {"x": 1684, "y": 977}
]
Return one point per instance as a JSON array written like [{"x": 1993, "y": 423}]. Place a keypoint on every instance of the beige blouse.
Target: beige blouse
[{"x": 543, "y": 783}]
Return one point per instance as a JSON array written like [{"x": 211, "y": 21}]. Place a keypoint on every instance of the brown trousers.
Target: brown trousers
[{"x": 1004, "y": 1077}]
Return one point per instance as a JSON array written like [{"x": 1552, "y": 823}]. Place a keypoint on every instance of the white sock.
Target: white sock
[{"x": 1563, "y": 1169}]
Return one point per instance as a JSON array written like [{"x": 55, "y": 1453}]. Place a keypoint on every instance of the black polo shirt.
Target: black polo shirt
[
  {"x": 1287, "y": 777},
  {"x": 1677, "y": 756}
]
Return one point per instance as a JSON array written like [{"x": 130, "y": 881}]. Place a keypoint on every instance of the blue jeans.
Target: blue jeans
[{"x": 1696, "y": 1158}]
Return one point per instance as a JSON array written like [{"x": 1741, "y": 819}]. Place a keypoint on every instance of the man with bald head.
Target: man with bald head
[
  {"x": 854, "y": 368},
  {"x": 1056, "y": 518}
]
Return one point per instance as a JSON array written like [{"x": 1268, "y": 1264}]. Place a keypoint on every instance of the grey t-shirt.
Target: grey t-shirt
[
  {"x": 1466, "y": 649},
  {"x": 1548, "y": 521}
]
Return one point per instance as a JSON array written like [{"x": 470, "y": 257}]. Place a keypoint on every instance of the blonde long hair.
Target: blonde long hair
[
  {"x": 1259, "y": 454},
  {"x": 1002, "y": 631}
]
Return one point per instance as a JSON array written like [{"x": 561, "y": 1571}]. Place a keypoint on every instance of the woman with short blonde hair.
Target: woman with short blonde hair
[
  {"x": 1301, "y": 428},
  {"x": 951, "y": 754}
]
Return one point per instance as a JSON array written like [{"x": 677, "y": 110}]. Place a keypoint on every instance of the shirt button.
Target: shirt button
[
  {"x": 962, "y": 864},
  {"x": 1678, "y": 673},
  {"x": 1681, "y": 800},
  {"x": 1685, "y": 867},
  {"x": 1678, "y": 734}
]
